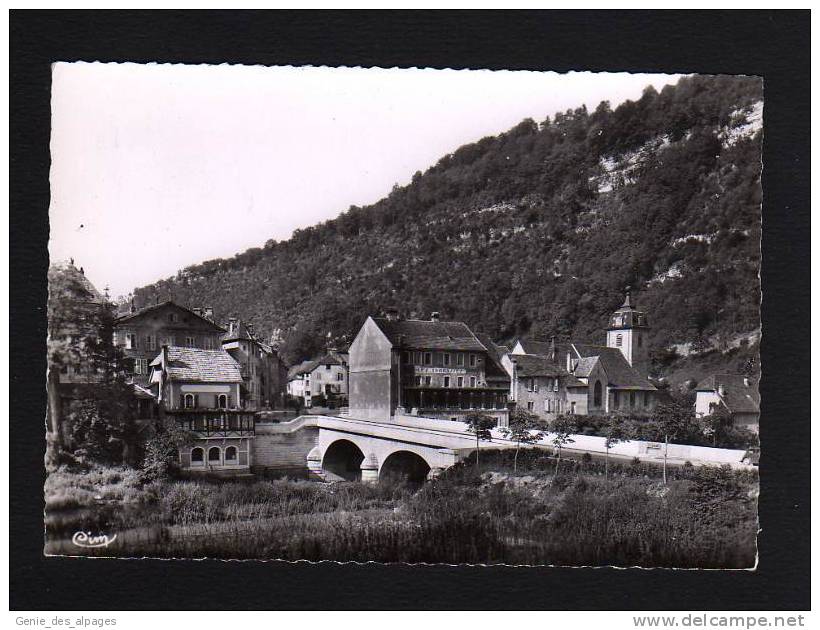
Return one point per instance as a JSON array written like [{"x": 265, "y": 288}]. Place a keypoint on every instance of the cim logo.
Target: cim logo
[{"x": 85, "y": 539}]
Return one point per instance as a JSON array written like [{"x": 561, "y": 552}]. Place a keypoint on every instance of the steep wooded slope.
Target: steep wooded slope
[{"x": 535, "y": 231}]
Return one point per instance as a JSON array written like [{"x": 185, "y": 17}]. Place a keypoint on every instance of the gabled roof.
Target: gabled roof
[
  {"x": 533, "y": 346},
  {"x": 429, "y": 335},
  {"x": 154, "y": 307},
  {"x": 536, "y": 365},
  {"x": 328, "y": 359},
  {"x": 241, "y": 332},
  {"x": 303, "y": 368},
  {"x": 201, "y": 366},
  {"x": 532, "y": 365},
  {"x": 619, "y": 373},
  {"x": 494, "y": 369},
  {"x": 737, "y": 396}
]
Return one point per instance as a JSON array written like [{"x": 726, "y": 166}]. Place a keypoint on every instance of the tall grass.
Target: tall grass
[{"x": 705, "y": 517}]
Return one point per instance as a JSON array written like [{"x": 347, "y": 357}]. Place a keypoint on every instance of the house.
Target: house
[
  {"x": 323, "y": 378},
  {"x": 200, "y": 390},
  {"x": 142, "y": 332},
  {"x": 263, "y": 371},
  {"x": 738, "y": 394},
  {"x": 428, "y": 368},
  {"x": 577, "y": 378}
]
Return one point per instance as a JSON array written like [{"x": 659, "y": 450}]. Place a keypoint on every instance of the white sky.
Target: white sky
[{"x": 157, "y": 167}]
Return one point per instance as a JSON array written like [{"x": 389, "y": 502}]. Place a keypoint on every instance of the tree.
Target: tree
[
  {"x": 614, "y": 433},
  {"x": 523, "y": 429},
  {"x": 562, "y": 428},
  {"x": 481, "y": 425},
  {"x": 75, "y": 313},
  {"x": 716, "y": 423},
  {"x": 161, "y": 450},
  {"x": 675, "y": 418}
]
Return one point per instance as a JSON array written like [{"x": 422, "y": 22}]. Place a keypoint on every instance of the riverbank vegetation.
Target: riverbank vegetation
[{"x": 703, "y": 517}]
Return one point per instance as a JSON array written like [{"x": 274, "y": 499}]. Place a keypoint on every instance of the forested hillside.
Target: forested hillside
[{"x": 535, "y": 231}]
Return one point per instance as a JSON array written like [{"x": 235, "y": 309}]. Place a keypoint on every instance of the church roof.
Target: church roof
[
  {"x": 429, "y": 335},
  {"x": 737, "y": 396},
  {"x": 620, "y": 374}
]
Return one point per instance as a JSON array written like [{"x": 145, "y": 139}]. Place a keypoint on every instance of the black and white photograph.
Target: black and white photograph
[{"x": 418, "y": 316}]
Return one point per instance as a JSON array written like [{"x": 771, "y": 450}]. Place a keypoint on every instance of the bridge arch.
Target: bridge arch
[
  {"x": 405, "y": 466},
  {"x": 343, "y": 460}
]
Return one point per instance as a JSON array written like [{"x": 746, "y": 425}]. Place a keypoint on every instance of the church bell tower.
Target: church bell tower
[{"x": 627, "y": 331}]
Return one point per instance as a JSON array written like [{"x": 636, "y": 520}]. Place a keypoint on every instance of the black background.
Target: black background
[{"x": 772, "y": 44}]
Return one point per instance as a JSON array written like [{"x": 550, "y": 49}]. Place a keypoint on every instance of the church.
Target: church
[{"x": 549, "y": 378}]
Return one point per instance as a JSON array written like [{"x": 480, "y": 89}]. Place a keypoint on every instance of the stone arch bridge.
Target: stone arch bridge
[
  {"x": 415, "y": 448},
  {"x": 408, "y": 448}
]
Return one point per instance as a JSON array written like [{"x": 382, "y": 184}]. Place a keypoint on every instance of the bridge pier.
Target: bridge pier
[
  {"x": 370, "y": 469},
  {"x": 314, "y": 464}
]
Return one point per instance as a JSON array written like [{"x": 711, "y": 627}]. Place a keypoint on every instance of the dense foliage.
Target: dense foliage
[
  {"x": 704, "y": 517},
  {"x": 537, "y": 231}
]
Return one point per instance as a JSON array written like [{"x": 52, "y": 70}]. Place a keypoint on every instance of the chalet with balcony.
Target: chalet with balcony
[
  {"x": 429, "y": 368},
  {"x": 200, "y": 391}
]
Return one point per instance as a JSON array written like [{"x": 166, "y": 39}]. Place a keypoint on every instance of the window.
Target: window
[
  {"x": 172, "y": 317},
  {"x": 197, "y": 456},
  {"x": 472, "y": 360},
  {"x": 190, "y": 401},
  {"x": 208, "y": 343},
  {"x": 446, "y": 358},
  {"x": 140, "y": 366},
  {"x": 230, "y": 455},
  {"x": 472, "y": 381},
  {"x": 318, "y": 376},
  {"x": 617, "y": 399},
  {"x": 214, "y": 455},
  {"x": 418, "y": 381},
  {"x": 428, "y": 380},
  {"x": 619, "y": 340},
  {"x": 446, "y": 381},
  {"x": 632, "y": 399},
  {"x": 572, "y": 408},
  {"x": 459, "y": 359},
  {"x": 130, "y": 341},
  {"x": 190, "y": 342},
  {"x": 597, "y": 394},
  {"x": 530, "y": 406},
  {"x": 222, "y": 401},
  {"x": 428, "y": 358},
  {"x": 151, "y": 342},
  {"x": 555, "y": 384},
  {"x": 406, "y": 358},
  {"x": 340, "y": 376},
  {"x": 460, "y": 381}
]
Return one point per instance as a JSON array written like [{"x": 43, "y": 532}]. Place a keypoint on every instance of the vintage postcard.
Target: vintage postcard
[{"x": 404, "y": 316}]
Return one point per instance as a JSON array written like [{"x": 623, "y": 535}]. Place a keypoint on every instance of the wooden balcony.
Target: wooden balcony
[
  {"x": 215, "y": 422},
  {"x": 440, "y": 398}
]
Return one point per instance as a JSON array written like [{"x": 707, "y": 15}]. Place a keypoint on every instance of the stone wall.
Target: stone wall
[{"x": 282, "y": 448}]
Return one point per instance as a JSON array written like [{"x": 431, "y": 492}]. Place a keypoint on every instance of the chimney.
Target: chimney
[
  {"x": 569, "y": 362},
  {"x": 434, "y": 316},
  {"x": 133, "y": 306},
  {"x": 231, "y": 324},
  {"x": 208, "y": 313},
  {"x": 82, "y": 271},
  {"x": 392, "y": 314},
  {"x": 197, "y": 311}
]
